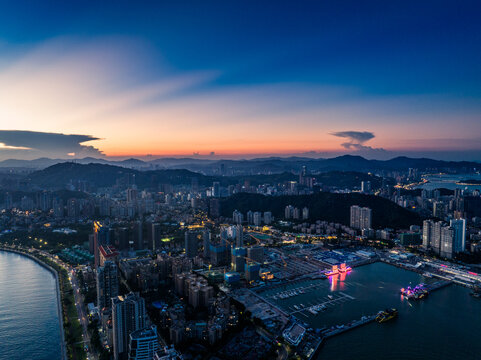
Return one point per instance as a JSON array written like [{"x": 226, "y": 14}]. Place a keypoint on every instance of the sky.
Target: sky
[{"x": 240, "y": 79}]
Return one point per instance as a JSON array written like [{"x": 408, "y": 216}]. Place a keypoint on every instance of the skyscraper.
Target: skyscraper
[
  {"x": 366, "y": 187},
  {"x": 361, "y": 217},
  {"x": 191, "y": 244},
  {"x": 206, "y": 236},
  {"x": 257, "y": 218},
  {"x": 446, "y": 242},
  {"x": 216, "y": 189},
  {"x": 107, "y": 284},
  {"x": 256, "y": 253},
  {"x": 267, "y": 217},
  {"x": 459, "y": 226},
  {"x": 143, "y": 344},
  {"x": 101, "y": 237},
  {"x": 239, "y": 236},
  {"x": 128, "y": 315}
]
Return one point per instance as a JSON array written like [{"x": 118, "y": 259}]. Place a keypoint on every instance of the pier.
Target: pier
[
  {"x": 343, "y": 328},
  {"x": 438, "y": 285},
  {"x": 324, "y": 303}
]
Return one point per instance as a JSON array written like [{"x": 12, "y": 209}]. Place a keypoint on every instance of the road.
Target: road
[
  {"x": 79, "y": 304},
  {"x": 83, "y": 316}
]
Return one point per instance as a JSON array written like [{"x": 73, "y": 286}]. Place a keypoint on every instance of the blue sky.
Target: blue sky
[{"x": 407, "y": 71}]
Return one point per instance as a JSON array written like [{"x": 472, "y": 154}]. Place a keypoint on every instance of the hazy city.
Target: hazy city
[{"x": 240, "y": 180}]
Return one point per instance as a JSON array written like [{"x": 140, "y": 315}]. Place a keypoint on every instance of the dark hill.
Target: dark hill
[
  {"x": 101, "y": 175},
  {"x": 330, "y": 207}
]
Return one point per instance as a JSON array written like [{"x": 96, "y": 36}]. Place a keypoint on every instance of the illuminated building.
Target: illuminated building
[
  {"x": 361, "y": 217},
  {"x": 143, "y": 344},
  {"x": 128, "y": 315},
  {"x": 107, "y": 284}
]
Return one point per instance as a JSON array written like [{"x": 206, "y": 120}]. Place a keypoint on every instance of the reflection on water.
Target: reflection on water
[{"x": 337, "y": 281}]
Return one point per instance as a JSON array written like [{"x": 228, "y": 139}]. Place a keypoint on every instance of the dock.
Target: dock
[
  {"x": 438, "y": 285},
  {"x": 343, "y": 328}
]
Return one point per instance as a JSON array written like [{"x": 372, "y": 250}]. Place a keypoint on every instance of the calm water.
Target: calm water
[
  {"x": 450, "y": 182},
  {"x": 446, "y": 325},
  {"x": 29, "y": 324}
]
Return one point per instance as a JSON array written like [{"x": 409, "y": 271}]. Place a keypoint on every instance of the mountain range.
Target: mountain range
[
  {"x": 58, "y": 176},
  {"x": 270, "y": 165}
]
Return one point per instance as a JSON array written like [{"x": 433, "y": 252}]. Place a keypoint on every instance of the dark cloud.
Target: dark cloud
[
  {"x": 32, "y": 143},
  {"x": 354, "y": 138},
  {"x": 355, "y": 143}
]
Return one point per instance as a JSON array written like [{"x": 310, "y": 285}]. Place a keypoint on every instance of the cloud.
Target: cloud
[
  {"x": 355, "y": 138},
  {"x": 124, "y": 92},
  {"x": 46, "y": 144}
]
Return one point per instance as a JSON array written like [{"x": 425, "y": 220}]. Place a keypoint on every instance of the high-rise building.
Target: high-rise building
[
  {"x": 128, "y": 315},
  {"x": 289, "y": 212},
  {"x": 267, "y": 217},
  {"x": 238, "y": 259},
  {"x": 305, "y": 213},
  {"x": 206, "y": 236},
  {"x": 427, "y": 228},
  {"x": 459, "y": 226},
  {"x": 132, "y": 195},
  {"x": 107, "y": 253},
  {"x": 191, "y": 244},
  {"x": 107, "y": 284},
  {"x": 444, "y": 240},
  {"x": 216, "y": 189},
  {"x": 250, "y": 217},
  {"x": 137, "y": 230},
  {"x": 239, "y": 236},
  {"x": 156, "y": 236},
  {"x": 252, "y": 271},
  {"x": 446, "y": 248},
  {"x": 237, "y": 217},
  {"x": 214, "y": 208},
  {"x": 257, "y": 218},
  {"x": 361, "y": 217},
  {"x": 143, "y": 344},
  {"x": 101, "y": 237},
  {"x": 366, "y": 187},
  {"x": 256, "y": 253}
]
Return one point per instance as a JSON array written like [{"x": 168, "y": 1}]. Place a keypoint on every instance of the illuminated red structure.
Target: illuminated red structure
[{"x": 343, "y": 268}]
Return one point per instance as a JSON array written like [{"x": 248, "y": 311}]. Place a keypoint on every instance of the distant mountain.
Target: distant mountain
[
  {"x": 101, "y": 175},
  {"x": 332, "y": 207},
  {"x": 58, "y": 176},
  {"x": 270, "y": 165}
]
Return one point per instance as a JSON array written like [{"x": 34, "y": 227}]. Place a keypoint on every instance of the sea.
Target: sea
[
  {"x": 445, "y": 325},
  {"x": 449, "y": 181},
  {"x": 29, "y": 323}
]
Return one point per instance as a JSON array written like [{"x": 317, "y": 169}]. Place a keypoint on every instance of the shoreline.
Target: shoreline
[{"x": 57, "y": 285}]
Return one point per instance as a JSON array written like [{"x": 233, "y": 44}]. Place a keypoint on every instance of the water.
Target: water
[
  {"x": 450, "y": 182},
  {"x": 445, "y": 325},
  {"x": 29, "y": 323}
]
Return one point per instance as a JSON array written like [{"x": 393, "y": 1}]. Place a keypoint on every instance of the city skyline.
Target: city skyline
[{"x": 222, "y": 81}]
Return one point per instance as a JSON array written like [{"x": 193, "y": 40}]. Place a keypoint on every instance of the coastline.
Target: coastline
[{"x": 57, "y": 285}]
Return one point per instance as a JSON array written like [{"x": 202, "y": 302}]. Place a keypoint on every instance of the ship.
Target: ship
[
  {"x": 417, "y": 293},
  {"x": 386, "y": 315}
]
